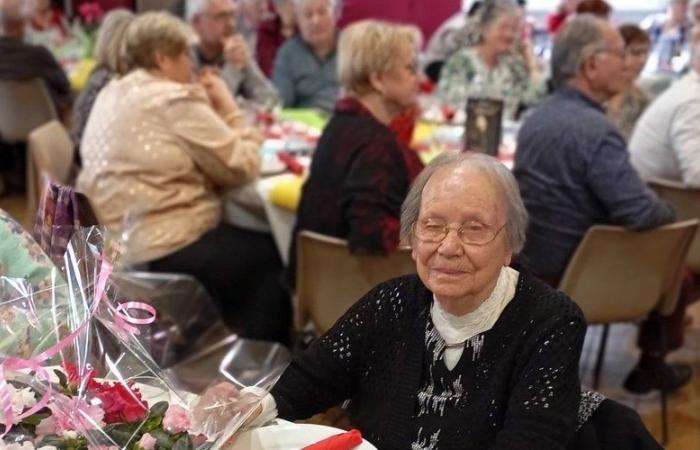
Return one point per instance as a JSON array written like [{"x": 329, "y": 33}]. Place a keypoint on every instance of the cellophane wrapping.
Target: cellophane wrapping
[{"x": 76, "y": 375}]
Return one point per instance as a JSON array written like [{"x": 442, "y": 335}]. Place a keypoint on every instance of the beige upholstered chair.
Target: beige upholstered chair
[
  {"x": 49, "y": 154},
  {"x": 25, "y": 105},
  {"x": 618, "y": 275},
  {"x": 686, "y": 202},
  {"x": 330, "y": 279}
]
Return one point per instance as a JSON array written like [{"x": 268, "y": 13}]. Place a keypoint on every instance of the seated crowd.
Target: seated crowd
[{"x": 478, "y": 348}]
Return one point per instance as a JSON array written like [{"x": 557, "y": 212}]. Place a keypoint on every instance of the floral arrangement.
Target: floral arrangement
[
  {"x": 116, "y": 412},
  {"x": 74, "y": 374},
  {"x": 90, "y": 17}
]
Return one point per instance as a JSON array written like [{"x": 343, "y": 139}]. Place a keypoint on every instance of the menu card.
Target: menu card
[{"x": 483, "y": 125}]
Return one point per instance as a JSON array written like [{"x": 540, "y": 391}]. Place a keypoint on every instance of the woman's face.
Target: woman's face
[
  {"x": 636, "y": 55},
  {"x": 461, "y": 275},
  {"x": 500, "y": 34},
  {"x": 176, "y": 68},
  {"x": 399, "y": 86}
]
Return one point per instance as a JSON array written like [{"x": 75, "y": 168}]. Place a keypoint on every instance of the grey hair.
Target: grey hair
[
  {"x": 109, "y": 47},
  {"x": 336, "y": 6},
  {"x": 572, "y": 44},
  {"x": 194, "y": 8},
  {"x": 493, "y": 9},
  {"x": 516, "y": 214}
]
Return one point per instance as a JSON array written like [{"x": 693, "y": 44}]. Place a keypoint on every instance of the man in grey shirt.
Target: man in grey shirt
[
  {"x": 666, "y": 141},
  {"x": 305, "y": 66},
  {"x": 573, "y": 171},
  {"x": 222, "y": 47}
]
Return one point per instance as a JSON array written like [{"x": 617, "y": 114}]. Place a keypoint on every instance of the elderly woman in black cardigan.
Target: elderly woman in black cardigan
[{"x": 466, "y": 354}]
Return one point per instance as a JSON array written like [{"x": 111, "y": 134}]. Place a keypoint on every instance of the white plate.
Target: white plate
[{"x": 288, "y": 436}]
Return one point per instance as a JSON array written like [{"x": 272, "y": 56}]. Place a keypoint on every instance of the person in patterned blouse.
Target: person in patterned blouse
[
  {"x": 626, "y": 107},
  {"x": 492, "y": 68}
]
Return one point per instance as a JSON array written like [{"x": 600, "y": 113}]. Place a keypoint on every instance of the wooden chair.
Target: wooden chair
[
  {"x": 330, "y": 279},
  {"x": 618, "y": 275},
  {"x": 25, "y": 106},
  {"x": 49, "y": 154},
  {"x": 686, "y": 201}
]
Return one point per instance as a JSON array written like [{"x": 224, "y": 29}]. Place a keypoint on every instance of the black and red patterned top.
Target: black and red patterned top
[{"x": 358, "y": 180}]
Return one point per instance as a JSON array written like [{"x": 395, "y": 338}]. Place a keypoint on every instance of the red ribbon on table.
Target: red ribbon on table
[{"x": 343, "y": 441}]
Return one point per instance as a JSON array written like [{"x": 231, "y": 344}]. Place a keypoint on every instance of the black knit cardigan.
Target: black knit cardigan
[{"x": 522, "y": 392}]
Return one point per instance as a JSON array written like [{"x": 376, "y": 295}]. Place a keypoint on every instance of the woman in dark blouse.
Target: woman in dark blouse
[{"x": 359, "y": 174}]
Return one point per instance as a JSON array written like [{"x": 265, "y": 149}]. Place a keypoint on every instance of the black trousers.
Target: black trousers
[{"x": 242, "y": 270}]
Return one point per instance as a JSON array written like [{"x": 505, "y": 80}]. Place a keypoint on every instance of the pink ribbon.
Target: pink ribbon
[{"x": 122, "y": 321}]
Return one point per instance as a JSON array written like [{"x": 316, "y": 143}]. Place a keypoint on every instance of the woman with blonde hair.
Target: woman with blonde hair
[
  {"x": 159, "y": 147},
  {"x": 358, "y": 175},
  {"x": 109, "y": 63}
]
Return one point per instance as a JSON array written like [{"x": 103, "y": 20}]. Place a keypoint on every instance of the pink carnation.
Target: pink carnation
[
  {"x": 176, "y": 419},
  {"x": 147, "y": 442},
  {"x": 46, "y": 426},
  {"x": 75, "y": 414}
]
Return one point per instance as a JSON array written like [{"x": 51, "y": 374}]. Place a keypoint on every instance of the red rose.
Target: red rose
[{"x": 121, "y": 403}]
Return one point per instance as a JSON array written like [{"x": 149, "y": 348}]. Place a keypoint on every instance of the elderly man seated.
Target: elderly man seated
[
  {"x": 666, "y": 141},
  {"x": 573, "y": 169},
  {"x": 221, "y": 46},
  {"x": 22, "y": 61},
  {"x": 305, "y": 66}
]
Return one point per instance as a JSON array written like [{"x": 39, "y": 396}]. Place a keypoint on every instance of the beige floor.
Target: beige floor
[{"x": 684, "y": 405}]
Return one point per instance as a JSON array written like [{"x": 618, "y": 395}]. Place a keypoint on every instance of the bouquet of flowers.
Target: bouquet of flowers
[
  {"x": 74, "y": 375},
  {"x": 86, "y": 25}
]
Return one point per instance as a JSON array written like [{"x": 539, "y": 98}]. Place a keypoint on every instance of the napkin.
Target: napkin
[
  {"x": 286, "y": 193},
  {"x": 343, "y": 441}
]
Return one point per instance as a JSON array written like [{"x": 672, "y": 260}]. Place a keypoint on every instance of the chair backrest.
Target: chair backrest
[
  {"x": 49, "y": 154},
  {"x": 25, "y": 105},
  {"x": 152, "y": 5},
  {"x": 617, "y": 275},
  {"x": 330, "y": 279},
  {"x": 686, "y": 202}
]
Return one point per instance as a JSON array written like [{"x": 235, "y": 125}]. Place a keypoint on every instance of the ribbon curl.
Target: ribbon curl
[{"x": 122, "y": 321}]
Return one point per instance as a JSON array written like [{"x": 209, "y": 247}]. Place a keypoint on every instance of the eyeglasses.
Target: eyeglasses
[
  {"x": 619, "y": 52},
  {"x": 470, "y": 233},
  {"x": 638, "y": 52}
]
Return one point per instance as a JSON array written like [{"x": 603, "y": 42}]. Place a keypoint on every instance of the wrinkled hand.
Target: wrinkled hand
[
  {"x": 222, "y": 403},
  {"x": 236, "y": 51},
  {"x": 217, "y": 90}
]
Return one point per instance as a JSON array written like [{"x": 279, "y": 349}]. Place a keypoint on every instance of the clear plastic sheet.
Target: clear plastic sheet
[{"x": 76, "y": 374}]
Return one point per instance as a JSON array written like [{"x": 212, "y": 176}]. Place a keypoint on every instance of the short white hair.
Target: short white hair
[
  {"x": 336, "y": 5},
  {"x": 195, "y": 7}
]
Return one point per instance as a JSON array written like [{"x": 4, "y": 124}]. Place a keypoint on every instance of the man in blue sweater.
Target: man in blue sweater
[{"x": 573, "y": 169}]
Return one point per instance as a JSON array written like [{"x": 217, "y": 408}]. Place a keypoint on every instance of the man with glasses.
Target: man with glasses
[
  {"x": 223, "y": 47},
  {"x": 573, "y": 171}
]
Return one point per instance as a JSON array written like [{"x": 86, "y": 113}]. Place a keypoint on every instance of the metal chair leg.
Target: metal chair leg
[
  {"x": 664, "y": 410},
  {"x": 601, "y": 356}
]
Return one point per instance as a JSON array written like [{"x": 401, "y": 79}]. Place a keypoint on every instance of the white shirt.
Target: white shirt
[
  {"x": 666, "y": 141},
  {"x": 455, "y": 329}
]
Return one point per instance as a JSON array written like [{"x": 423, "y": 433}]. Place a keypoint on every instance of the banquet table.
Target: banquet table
[
  {"x": 253, "y": 207},
  {"x": 283, "y": 435}
]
